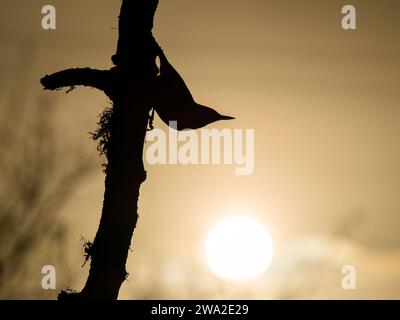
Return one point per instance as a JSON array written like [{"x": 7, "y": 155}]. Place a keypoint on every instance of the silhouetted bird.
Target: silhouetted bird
[{"x": 174, "y": 102}]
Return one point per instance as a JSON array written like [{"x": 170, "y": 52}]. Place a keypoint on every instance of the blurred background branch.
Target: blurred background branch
[{"x": 36, "y": 179}]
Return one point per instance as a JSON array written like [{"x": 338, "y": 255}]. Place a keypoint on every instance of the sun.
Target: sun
[{"x": 238, "y": 249}]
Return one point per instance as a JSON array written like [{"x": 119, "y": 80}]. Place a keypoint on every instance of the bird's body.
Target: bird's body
[{"x": 174, "y": 102}]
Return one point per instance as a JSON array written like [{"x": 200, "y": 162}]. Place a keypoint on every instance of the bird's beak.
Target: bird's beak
[{"x": 227, "y": 118}]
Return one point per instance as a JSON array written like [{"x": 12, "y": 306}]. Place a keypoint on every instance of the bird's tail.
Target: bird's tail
[
  {"x": 162, "y": 57},
  {"x": 160, "y": 52},
  {"x": 157, "y": 48}
]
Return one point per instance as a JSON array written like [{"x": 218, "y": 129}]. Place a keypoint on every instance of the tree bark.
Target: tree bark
[
  {"x": 77, "y": 77},
  {"x": 129, "y": 86}
]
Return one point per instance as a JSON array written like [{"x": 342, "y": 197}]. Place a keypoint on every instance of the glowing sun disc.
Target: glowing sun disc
[{"x": 238, "y": 249}]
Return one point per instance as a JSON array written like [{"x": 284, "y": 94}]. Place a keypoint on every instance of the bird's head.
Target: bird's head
[
  {"x": 198, "y": 116},
  {"x": 209, "y": 115}
]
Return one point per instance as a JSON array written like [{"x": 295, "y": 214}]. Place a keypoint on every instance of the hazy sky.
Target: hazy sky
[{"x": 324, "y": 104}]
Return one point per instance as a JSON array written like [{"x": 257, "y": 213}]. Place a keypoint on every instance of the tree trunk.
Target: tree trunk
[
  {"x": 129, "y": 86},
  {"x": 125, "y": 174}
]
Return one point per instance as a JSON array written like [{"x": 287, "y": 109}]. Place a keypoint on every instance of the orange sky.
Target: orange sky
[{"x": 324, "y": 104}]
